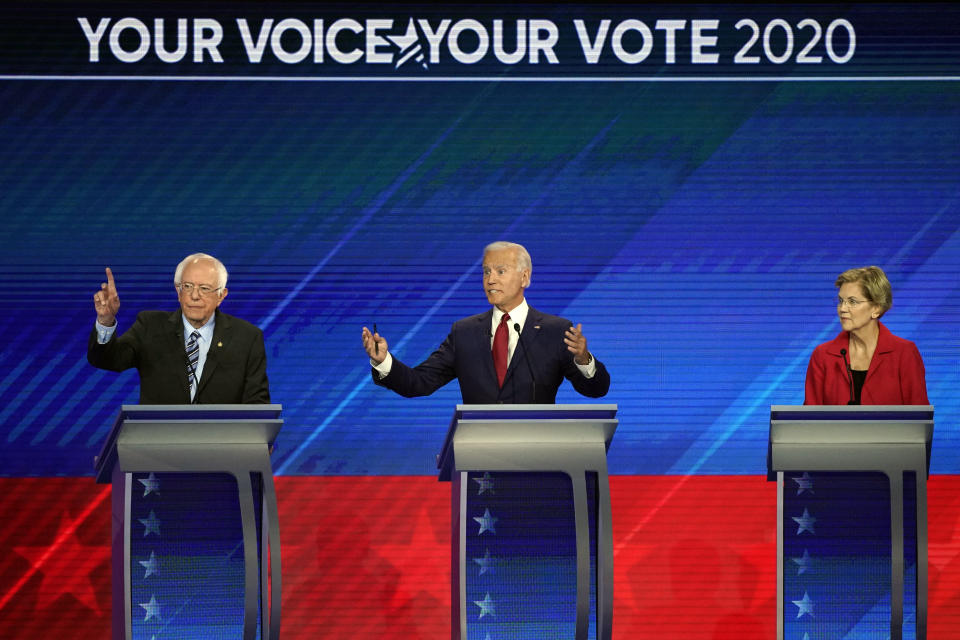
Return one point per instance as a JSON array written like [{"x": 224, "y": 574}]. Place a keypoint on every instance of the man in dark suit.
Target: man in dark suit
[
  {"x": 511, "y": 354},
  {"x": 195, "y": 354}
]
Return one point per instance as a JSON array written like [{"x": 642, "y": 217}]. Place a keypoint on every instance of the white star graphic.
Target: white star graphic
[
  {"x": 485, "y": 562},
  {"x": 150, "y": 485},
  {"x": 486, "y": 484},
  {"x": 150, "y": 523},
  {"x": 409, "y": 46},
  {"x": 803, "y": 562},
  {"x": 486, "y": 522},
  {"x": 150, "y": 565},
  {"x": 804, "y": 483},
  {"x": 152, "y": 608},
  {"x": 805, "y": 521},
  {"x": 804, "y": 606},
  {"x": 407, "y": 38},
  {"x": 486, "y": 606}
]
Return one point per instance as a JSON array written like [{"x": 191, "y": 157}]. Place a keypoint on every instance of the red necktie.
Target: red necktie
[{"x": 500, "y": 339}]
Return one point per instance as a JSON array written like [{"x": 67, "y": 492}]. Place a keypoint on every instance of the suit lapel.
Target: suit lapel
[
  {"x": 528, "y": 335},
  {"x": 177, "y": 345},
  {"x": 481, "y": 335},
  {"x": 221, "y": 338},
  {"x": 881, "y": 354}
]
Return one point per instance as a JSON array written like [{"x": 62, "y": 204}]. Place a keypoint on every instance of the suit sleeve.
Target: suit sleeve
[
  {"x": 595, "y": 387},
  {"x": 118, "y": 353},
  {"x": 256, "y": 390},
  {"x": 913, "y": 382},
  {"x": 425, "y": 378}
]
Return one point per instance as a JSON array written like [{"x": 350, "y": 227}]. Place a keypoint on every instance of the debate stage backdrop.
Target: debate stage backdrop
[{"x": 689, "y": 180}]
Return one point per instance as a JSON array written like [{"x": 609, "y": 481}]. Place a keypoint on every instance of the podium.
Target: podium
[
  {"x": 195, "y": 535},
  {"x": 532, "y": 548},
  {"x": 851, "y": 520}
]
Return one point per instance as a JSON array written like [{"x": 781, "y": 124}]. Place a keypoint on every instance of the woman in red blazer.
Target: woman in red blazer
[{"x": 865, "y": 363}]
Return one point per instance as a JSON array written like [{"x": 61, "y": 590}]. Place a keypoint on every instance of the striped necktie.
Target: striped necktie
[{"x": 193, "y": 357}]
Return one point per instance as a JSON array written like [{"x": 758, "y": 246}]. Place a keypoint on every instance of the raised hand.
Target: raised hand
[
  {"x": 375, "y": 345},
  {"x": 577, "y": 345},
  {"x": 107, "y": 302}
]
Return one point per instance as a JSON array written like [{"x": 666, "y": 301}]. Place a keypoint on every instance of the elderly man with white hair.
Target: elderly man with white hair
[
  {"x": 196, "y": 354},
  {"x": 510, "y": 354}
]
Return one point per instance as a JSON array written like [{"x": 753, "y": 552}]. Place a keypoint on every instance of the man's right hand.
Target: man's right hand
[
  {"x": 374, "y": 345},
  {"x": 107, "y": 302}
]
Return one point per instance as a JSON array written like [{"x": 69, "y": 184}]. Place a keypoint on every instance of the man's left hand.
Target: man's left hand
[{"x": 577, "y": 345}]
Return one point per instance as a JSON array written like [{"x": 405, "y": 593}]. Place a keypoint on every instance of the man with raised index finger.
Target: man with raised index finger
[
  {"x": 510, "y": 354},
  {"x": 196, "y": 354}
]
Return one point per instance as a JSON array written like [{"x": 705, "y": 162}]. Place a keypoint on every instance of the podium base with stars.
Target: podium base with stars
[
  {"x": 532, "y": 548},
  {"x": 196, "y": 545},
  {"x": 851, "y": 521}
]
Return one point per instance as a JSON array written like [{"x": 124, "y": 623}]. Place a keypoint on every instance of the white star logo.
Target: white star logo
[
  {"x": 804, "y": 483},
  {"x": 150, "y": 565},
  {"x": 409, "y": 46},
  {"x": 150, "y": 523},
  {"x": 152, "y": 608},
  {"x": 486, "y": 606},
  {"x": 486, "y": 484},
  {"x": 805, "y": 521},
  {"x": 803, "y": 562},
  {"x": 804, "y": 606},
  {"x": 150, "y": 485},
  {"x": 487, "y": 522},
  {"x": 485, "y": 562}
]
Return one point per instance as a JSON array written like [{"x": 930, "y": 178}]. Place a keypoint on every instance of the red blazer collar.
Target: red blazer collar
[{"x": 885, "y": 342}]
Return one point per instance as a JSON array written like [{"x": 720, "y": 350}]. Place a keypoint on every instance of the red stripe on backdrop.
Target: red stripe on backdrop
[{"x": 368, "y": 557}]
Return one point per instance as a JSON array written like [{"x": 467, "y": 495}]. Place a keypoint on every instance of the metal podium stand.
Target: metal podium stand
[
  {"x": 532, "y": 543},
  {"x": 877, "y": 454},
  {"x": 206, "y": 469}
]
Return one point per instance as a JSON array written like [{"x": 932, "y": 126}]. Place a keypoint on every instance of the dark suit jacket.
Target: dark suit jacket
[
  {"x": 466, "y": 356},
  {"x": 235, "y": 371},
  {"x": 895, "y": 376}
]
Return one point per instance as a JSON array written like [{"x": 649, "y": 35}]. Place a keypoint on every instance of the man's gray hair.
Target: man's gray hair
[
  {"x": 194, "y": 257},
  {"x": 523, "y": 258}
]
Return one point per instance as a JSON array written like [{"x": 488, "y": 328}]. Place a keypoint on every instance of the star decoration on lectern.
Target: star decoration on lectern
[
  {"x": 486, "y": 606},
  {"x": 803, "y": 562},
  {"x": 486, "y": 484},
  {"x": 486, "y": 562},
  {"x": 150, "y": 565},
  {"x": 150, "y": 485},
  {"x": 152, "y": 608},
  {"x": 804, "y": 606},
  {"x": 150, "y": 523},
  {"x": 804, "y": 483},
  {"x": 487, "y": 522},
  {"x": 805, "y": 521}
]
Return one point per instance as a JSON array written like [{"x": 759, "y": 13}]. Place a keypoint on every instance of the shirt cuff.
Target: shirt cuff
[
  {"x": 104, "y": 333},
  {"x": 588, "y": 370},
  {"x": 384, "y": 367}
]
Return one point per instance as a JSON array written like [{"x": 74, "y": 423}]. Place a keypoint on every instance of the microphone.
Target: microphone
[
  {"x": 843, "y": 352},
  {"x": 533, "y": 380}
]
